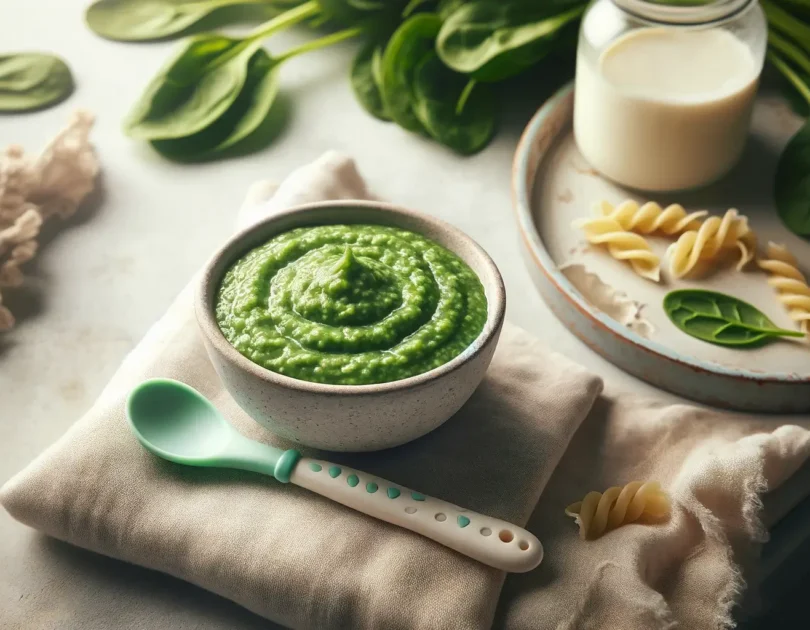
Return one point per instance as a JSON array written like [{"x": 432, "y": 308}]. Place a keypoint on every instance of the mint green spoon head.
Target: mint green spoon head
[{"x": 176, "y": 422}]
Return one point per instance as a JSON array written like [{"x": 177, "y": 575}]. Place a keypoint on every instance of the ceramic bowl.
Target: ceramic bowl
[{"x": 351, "y": 417}]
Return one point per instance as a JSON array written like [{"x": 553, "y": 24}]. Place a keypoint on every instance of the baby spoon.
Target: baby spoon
[{"x": 177, "y": 423}]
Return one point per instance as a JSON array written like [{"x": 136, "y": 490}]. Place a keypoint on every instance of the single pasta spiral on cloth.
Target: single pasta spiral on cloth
[
  {"x": 622, "y": 245},
  {"x": 600, "y": 512},
  {"x": 714, "y": 236},
  {"x": 791, "y": 284},
  {"x": 650, "y": 217}
]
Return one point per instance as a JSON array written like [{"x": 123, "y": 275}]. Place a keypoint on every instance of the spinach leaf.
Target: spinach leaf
[
  {"x": 721, "y": 319},
  {"x": 496, "y": 39},
  {"x": 193, "y": 89},
  {"x": 362, "y": 12},
  {"x": 446, "y": 8},
  {"x": 255, "y": 100},
  {"x": 415, "y": 5},
  {"x": 366, "y": 77},
  {"x": 214, "y": 76},
  {"x": 144, "y": 20},
  {"x": 783, "y": 22},
  {"x": 453, "y": 110},
  {"x": 409, "y": 43},
  {"x": 792, "y": 183},
  {"x": 32, "y": 80},
  {"x": 241, "y": 119},
  {"x": 799, "y": 8},
  {"x": 796, "y": 77}
]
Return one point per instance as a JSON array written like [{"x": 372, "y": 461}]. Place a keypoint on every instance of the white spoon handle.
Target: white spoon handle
[{"x": 489, "y": 540}]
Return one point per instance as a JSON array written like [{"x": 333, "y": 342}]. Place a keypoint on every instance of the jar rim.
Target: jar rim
[{"x": 686, "y": 15}]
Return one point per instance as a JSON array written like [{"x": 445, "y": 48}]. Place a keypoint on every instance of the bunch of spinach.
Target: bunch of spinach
[{"x": 425, "y": 65}]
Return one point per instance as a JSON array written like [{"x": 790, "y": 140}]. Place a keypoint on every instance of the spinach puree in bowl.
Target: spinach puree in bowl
[{"x": 350, "y": 304}]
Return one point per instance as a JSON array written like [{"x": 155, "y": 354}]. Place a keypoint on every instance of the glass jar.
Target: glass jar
[{"x": 664, "y": 93}]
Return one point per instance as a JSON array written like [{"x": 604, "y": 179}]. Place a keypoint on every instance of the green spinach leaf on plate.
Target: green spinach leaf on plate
[{"x": 721, "y": 319}]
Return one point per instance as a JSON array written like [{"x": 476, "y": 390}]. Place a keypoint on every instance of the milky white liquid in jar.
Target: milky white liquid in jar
[{"x": 665, "y": 109}]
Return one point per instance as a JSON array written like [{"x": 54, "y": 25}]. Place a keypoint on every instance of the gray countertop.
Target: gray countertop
[{"x": 101, "y": 281}]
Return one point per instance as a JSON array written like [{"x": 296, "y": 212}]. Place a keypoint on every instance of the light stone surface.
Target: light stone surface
[{"x": 100, "y": 282}]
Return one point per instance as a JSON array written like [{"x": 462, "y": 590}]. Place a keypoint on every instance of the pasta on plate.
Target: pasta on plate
[
  {"x": 622, "y": 245},
  {"x": 789, "y": 282},
  {"x": 710, "y": 241},
  {"x": 702, "y": 239},
  {"x": 600, "y": 512},
  {"x": 650, "y": 218}
]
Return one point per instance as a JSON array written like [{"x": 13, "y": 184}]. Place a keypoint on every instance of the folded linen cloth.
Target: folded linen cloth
[
  {"x": 305, "y": 562},
  {"x": 687, "y": 573}
]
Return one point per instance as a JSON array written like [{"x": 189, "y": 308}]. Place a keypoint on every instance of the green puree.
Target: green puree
[{"x": 350, "y": 304}]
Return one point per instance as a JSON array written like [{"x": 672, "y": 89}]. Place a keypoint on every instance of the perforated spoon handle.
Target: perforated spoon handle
[{"x": 489, "y": 540}]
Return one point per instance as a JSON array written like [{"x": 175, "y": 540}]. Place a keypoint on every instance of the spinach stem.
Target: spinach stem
[
  {"x": 412, "y": 6},
  {"x": 782, "y": 21},
  {"x": 789, "y": 50},
  {"x": 465, "y": 96},
  {"x": 560, "y": 20},
  {"x": 773, "y": 332},
  {"x": 790, "y": 75},
  {"x": 322, "y": 42},
  {"x": 777, "y": 332},
  {"x": 285, "y": 20}
]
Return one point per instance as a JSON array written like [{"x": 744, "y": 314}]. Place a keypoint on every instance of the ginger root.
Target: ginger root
[{"x": 32, "y": 190}]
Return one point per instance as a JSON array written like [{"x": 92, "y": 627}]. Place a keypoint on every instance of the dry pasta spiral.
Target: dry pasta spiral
[
  {"x": 600, "y": 512},
  {"x": 706, "y": 243},
  {"x": 791, "y": 284},
  {"x": 650, "y": 217},
  {"x": 622, "y": 245}
]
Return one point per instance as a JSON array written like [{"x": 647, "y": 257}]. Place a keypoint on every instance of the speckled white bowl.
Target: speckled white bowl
[{"x": 351, "y": 417}]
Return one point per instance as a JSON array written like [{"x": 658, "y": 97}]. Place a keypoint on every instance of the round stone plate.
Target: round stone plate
[{"x": 619, "y": 314}]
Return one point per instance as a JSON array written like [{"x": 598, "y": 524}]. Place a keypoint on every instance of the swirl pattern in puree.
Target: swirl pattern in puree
[{"x": 350, "y": 304}]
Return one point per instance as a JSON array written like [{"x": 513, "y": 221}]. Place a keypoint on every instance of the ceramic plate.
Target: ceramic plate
[{"x": 619, "y": 314}]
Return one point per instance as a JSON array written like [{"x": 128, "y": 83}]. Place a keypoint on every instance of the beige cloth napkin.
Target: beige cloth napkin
[
  {"x": 686, "y": 573},
  {"x": 305, "y": 562}
]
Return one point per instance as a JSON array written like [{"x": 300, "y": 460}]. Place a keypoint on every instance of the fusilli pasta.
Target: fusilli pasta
[
  {"x": 622, "y": 245},
  {"x": 706, "y": 243},
  {"x": 598, "y": 513},
  {"x": 650, "y": 217},
  {"x": 791, "y": 284}
]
